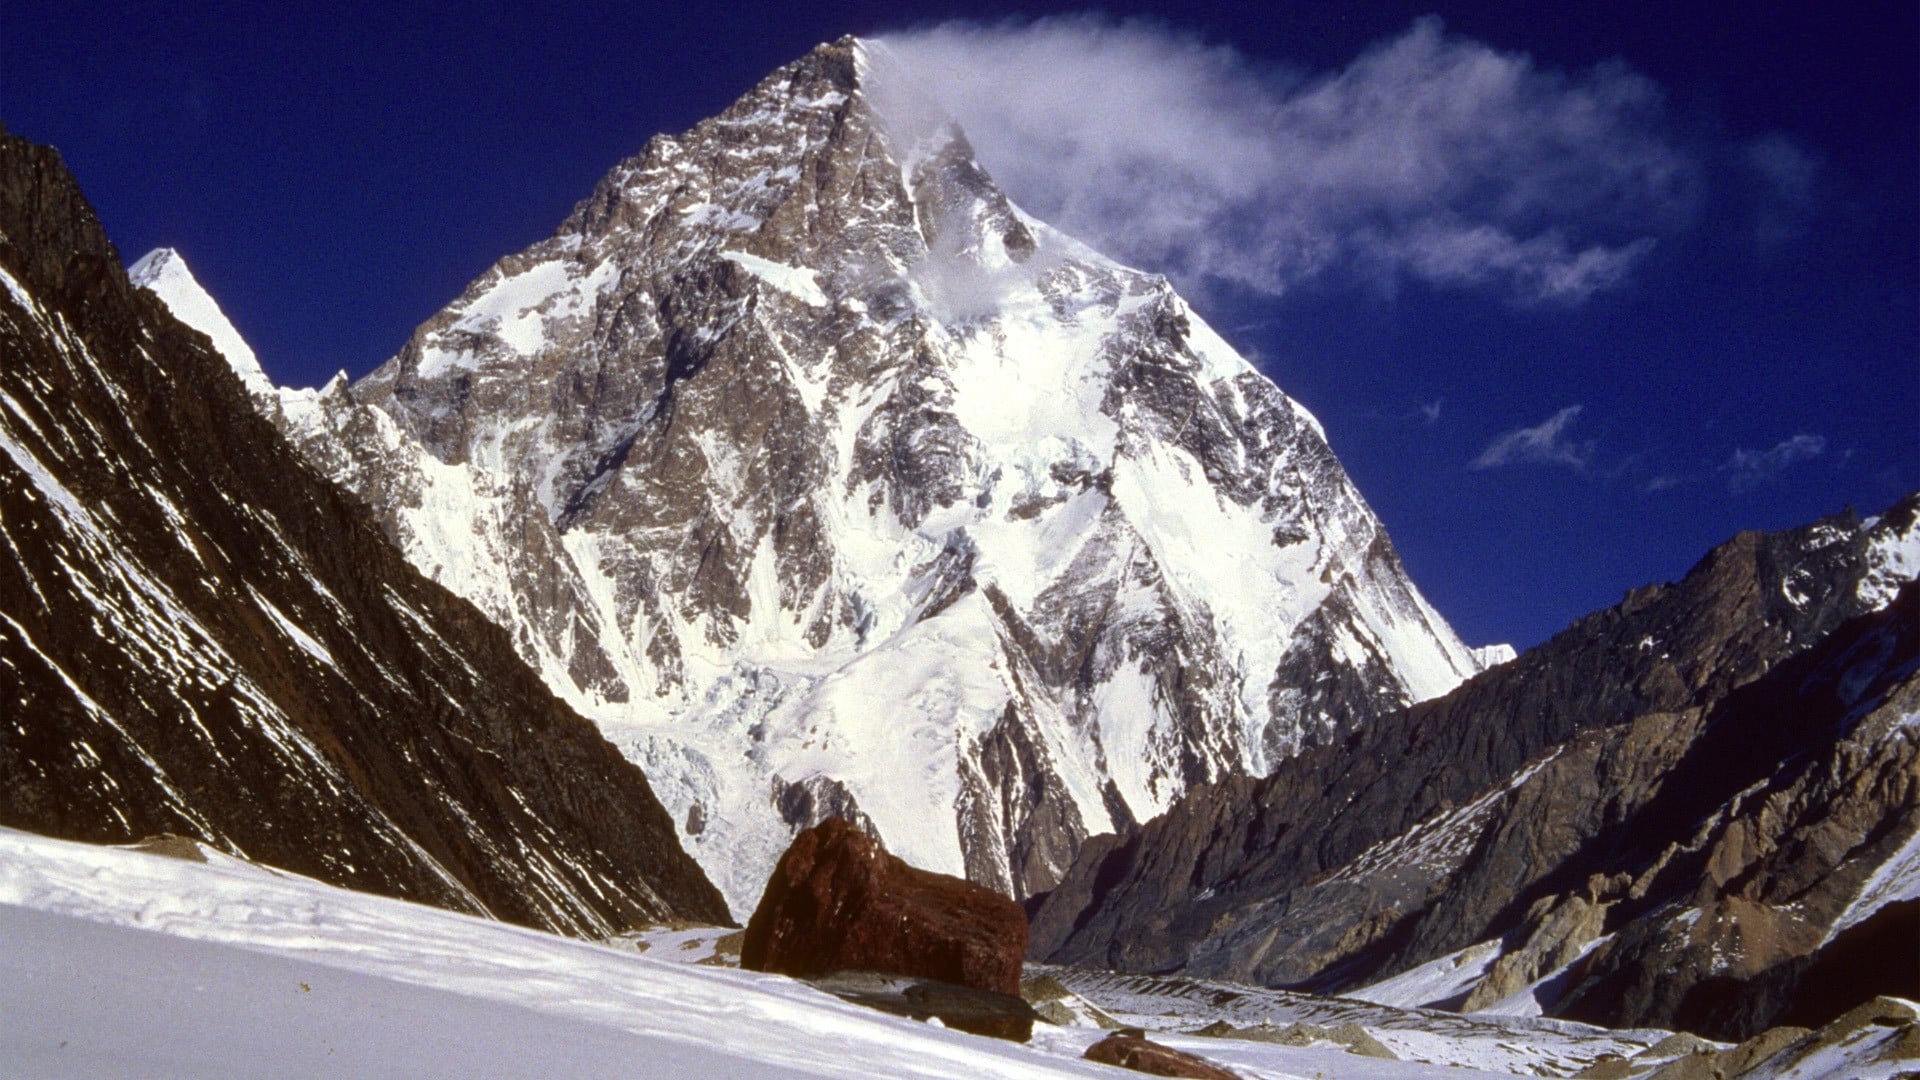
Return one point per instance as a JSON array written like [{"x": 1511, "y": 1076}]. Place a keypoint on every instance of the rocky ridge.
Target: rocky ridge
[
  {"x": 827, "y": 482},
  {"x": 1679, "y": 812},
  {"x": 201, "y": 635}
]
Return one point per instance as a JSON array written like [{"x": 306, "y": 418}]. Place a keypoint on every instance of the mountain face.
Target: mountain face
[
  {"x": 1698, "y": 809},
  {"x": 827, "y": 482},
  {"x": 201, "y": 635}
]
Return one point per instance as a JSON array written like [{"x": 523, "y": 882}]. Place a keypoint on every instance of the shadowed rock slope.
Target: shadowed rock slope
[
  {"x": 1659, "y": 817},
  {"x": 200, "y": 635}
]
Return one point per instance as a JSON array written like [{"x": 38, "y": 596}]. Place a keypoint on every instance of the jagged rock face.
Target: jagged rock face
[
  {"x": 1803, "y": 793},
  {"x": 1739, "y": 743},
  {"x": 799, "y": 451},
  {"x": 200, "y": 635}
]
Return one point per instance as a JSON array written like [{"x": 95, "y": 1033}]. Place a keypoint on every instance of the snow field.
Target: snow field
[
  {"x": 147, "y": 965},
  {"x": 116, "y": 962}
]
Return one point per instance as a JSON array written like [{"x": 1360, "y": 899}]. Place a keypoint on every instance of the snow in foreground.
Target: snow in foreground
[
  {"x": 122, "y": 963},
  {"x": 117, "y": 962}
]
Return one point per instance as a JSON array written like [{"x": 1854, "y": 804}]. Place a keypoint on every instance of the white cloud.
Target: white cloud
[
  {"x": 1545, "y": 443},
  {"x": 1429, "y": 156},
  {"x": 1748, "y": 469}
]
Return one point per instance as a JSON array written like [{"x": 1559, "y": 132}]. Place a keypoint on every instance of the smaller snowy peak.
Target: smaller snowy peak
[
  {"x": 165, "y": 272},
  {"x": 1893, "y": 552},
  {"x": 1492, "y": 656}
]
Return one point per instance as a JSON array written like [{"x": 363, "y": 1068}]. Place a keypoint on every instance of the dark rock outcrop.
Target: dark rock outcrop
[
  {"x": 838, "y": 901},
  {"x": 820, "y": 798},
  {"x": 200, "y": 635},
  {"x": 962, "y": 1008},
  {"x": 1133, "y": 1050},
  {"x": 1882, "y": 1030},
  {"x": 1745, "y": 908},
  {"x": 1728, "y": 751}
]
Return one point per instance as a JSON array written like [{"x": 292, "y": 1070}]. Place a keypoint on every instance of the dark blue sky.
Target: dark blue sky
[{"x": 336, "y": 175}]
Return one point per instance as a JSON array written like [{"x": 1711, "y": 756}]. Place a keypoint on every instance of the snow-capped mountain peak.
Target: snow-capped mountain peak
[
  {"x": 165, "y": 272},
  {"x": 830, "y": 482}
]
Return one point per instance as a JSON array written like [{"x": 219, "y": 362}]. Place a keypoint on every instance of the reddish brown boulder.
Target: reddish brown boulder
[
  {"x": 839, "y": 902},
  {"x": 1131, "y": 1051}
]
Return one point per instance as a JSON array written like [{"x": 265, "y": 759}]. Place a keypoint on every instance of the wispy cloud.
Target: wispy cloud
[
  {"x": 1789, "y": 176},
  {"x": 1430, "y": 411},
  {"x": 1748, "y": 469},
  {"x": 1546, "y": 443},
  {"x": 1430, "y": 156}
]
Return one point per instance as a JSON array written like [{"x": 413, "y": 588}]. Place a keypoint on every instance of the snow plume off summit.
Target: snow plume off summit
[{"x": 1429, "y": 156}]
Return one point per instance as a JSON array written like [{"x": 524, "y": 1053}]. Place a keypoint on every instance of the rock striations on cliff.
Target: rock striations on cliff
[
  {"x": 1697, "y": 809},
  {"x": 199, "y": 634},
  {"x": 829, "y": 483}
]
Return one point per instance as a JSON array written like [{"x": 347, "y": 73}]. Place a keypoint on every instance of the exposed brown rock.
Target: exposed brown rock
[
  {"x": 1677, "y": 1044},
  {"x": 1893, "y": 1024},
  {"x": 1610, "y": 1067},
  {"x": 1359, "y": 1040},
  {"x": 1760, "y": 1049},
  {"x": 1691, "y": 1067},
  {"x": 1056, "y": 1004},
  {"x": 838, "y": 901},
  {"x": 173, "y": 846},
  {"x": 1557, "y": 928},
  {"x": 1711, "y": 1063},
  {"x": 1133, "y": 1051},
  {"x": 1356, "y": 1039},
  {"x": 1894, "y": 1014}
]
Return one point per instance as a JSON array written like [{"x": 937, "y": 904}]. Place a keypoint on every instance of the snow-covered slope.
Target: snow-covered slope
[
  {"x": 827, "y": 481},
  {"x": 123, "y": 963}
]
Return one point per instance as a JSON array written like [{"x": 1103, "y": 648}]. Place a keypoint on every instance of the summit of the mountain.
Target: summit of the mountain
[{"x": 828, "y": 482}]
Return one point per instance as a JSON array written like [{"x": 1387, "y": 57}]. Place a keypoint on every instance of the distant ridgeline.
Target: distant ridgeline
[{"x": 1695, "y": 810}]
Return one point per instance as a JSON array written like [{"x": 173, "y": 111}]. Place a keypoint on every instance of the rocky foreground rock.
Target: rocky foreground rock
[
  {"x": 200, "y": 635},
  {"x": 837, "y": 901},
  {"x": 1133, "y": 1050},
  {"x": 963, "y": 1008}
]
